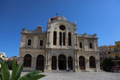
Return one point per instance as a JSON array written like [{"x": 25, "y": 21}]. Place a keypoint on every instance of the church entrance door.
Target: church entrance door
[
  {"x": 82, "y": 62},
  {"x": 40, "y": 63},
  {"x": 62, "y": 62}
]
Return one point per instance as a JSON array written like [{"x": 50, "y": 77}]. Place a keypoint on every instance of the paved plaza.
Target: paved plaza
[{"x": 81, "y": 76}]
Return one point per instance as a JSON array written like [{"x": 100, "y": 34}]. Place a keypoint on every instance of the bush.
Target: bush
[{"x": 107, "y": 64}]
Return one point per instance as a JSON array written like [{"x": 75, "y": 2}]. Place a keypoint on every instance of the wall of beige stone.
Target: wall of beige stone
[{"x": 50, "y": 50}]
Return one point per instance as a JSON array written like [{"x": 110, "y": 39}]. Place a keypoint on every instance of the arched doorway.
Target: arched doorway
[
  {"x": 27, "y": 60},
  {"x": 40, "y": 63},
  {"x": 92, "y": 62},
  {"x": 70, "y": 63},
  {"x": 62, "y": 62},
  {"x": 82, "y": 62},
  {"x": 54, "y": 63}
]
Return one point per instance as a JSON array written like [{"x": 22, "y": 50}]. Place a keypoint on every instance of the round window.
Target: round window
[{"x": 62, "y": 27}]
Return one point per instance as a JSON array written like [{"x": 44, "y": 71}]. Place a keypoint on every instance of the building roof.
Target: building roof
[
  {"x": 36, "y": 31},
  {"x": 87, "y": 36}
]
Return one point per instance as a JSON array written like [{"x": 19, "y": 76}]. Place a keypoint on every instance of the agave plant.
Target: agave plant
[{"x": 16, "y": 72}]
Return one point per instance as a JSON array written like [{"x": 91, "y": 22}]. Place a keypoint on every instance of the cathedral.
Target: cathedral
[{"x": 59, "y": 48}]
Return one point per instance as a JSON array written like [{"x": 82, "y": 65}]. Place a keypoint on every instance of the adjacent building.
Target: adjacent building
[
  {"x": 111, "y": 51},
  {"x": 115, "y": 52},
  {"x": 3, "y": 56},
  {"x": 104, "y": 52},
  {"x": 60, "y": 47}
]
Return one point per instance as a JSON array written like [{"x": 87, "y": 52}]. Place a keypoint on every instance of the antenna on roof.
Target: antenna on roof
[{"x": 56, "y": 14}]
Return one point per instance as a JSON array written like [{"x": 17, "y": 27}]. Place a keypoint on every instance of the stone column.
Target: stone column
[
  {"x": 76, "y": 61},
  {"x": 58, "y": 38},
  {"x": 66, "y": 40},
  {"x": 35, "y": 41},
  {"x": 49, "y": 62},
  {"x": 76, "y": 41},
  {"x": 94, "y": 45},
  {"x": 57, "y": 64},
  {"x": 48, "y": 40},
  {"x": 87, "y": 64},
  {"x": 21, "y": 59},
  {"x": 23, "y": 40},
  {"x": 98, "y": 65},
  {"x": 73, "y": 62},
  {"x": 86, "y": 44},
  {"x": 33, "y": 65},
  {"x": 46, "y": 61}
]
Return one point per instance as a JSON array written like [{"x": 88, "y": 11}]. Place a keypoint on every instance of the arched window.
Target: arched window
[
  {"x": 54, "y": 37},
  {"x": 41, "y": 42},
  {"x": 90, "y": 45},
  {"x": 92, "y": 62},
  {"x": 27, "y": 60},
  {"x": 69, "y": 39},
  {"x": 80, "y": 45},
  {"x": 29, "y": 42},
  {"x": 60, "y": 40},
  {"x": 64, "y": 38}
]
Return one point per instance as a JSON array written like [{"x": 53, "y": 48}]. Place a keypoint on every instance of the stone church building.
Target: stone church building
[{"x": 59, "y": 48}]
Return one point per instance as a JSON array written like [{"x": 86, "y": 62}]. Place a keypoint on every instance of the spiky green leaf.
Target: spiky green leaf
[
  {"x": 18, "y": 71},
  {"x": 0, "y": 76},
  {"x": 14, "y": 67},
  {"x": 32, "y": 76},
  {"x": 36, "y": 77},
  {"x": 5, "y": 71}
]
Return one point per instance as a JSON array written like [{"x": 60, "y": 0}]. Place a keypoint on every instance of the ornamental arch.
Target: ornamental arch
[
  {"x": 82, "y": 63},
  {"x": 40, "y": 62},
  {"x": 27, "y": 60}
]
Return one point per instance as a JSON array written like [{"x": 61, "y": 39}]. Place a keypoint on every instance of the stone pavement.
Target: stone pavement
[{"x": 81, "y": 76}]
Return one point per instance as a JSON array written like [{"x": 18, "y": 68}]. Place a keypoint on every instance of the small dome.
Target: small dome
[
  {"x": 54, "y": 18},
  {"x": 39, "y": 26}
]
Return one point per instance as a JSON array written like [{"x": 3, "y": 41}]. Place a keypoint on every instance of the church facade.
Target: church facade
[{"x": 59, "y": 48}]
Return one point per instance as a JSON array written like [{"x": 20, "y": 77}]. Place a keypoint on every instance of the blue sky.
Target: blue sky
[{"x": 92, "y": 16}]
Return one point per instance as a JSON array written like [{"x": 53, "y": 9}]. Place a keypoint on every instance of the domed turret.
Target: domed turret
[
  {"x": 54, "y": 18},
  {"x": 40, "y": 28}
]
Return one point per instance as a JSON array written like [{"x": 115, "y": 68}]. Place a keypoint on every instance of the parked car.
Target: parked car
[{"x": 115, "y": 69}]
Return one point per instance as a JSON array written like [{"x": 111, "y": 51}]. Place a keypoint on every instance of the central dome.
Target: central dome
[{"x": 58, "y": 18}]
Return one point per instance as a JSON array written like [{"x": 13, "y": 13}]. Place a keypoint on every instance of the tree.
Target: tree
[
  {"x": 107, "y": 64},
  {"x": 16, "y": 72}
]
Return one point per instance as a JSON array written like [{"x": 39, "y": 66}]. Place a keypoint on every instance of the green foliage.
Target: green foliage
[
  {"x": 16, "y": 72},
  {"x": 107, "y": 64},
  {"x": 32, "y": 76},
  {"x": 9, "y": 63},
  {"x": 5, "y": 71}
]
